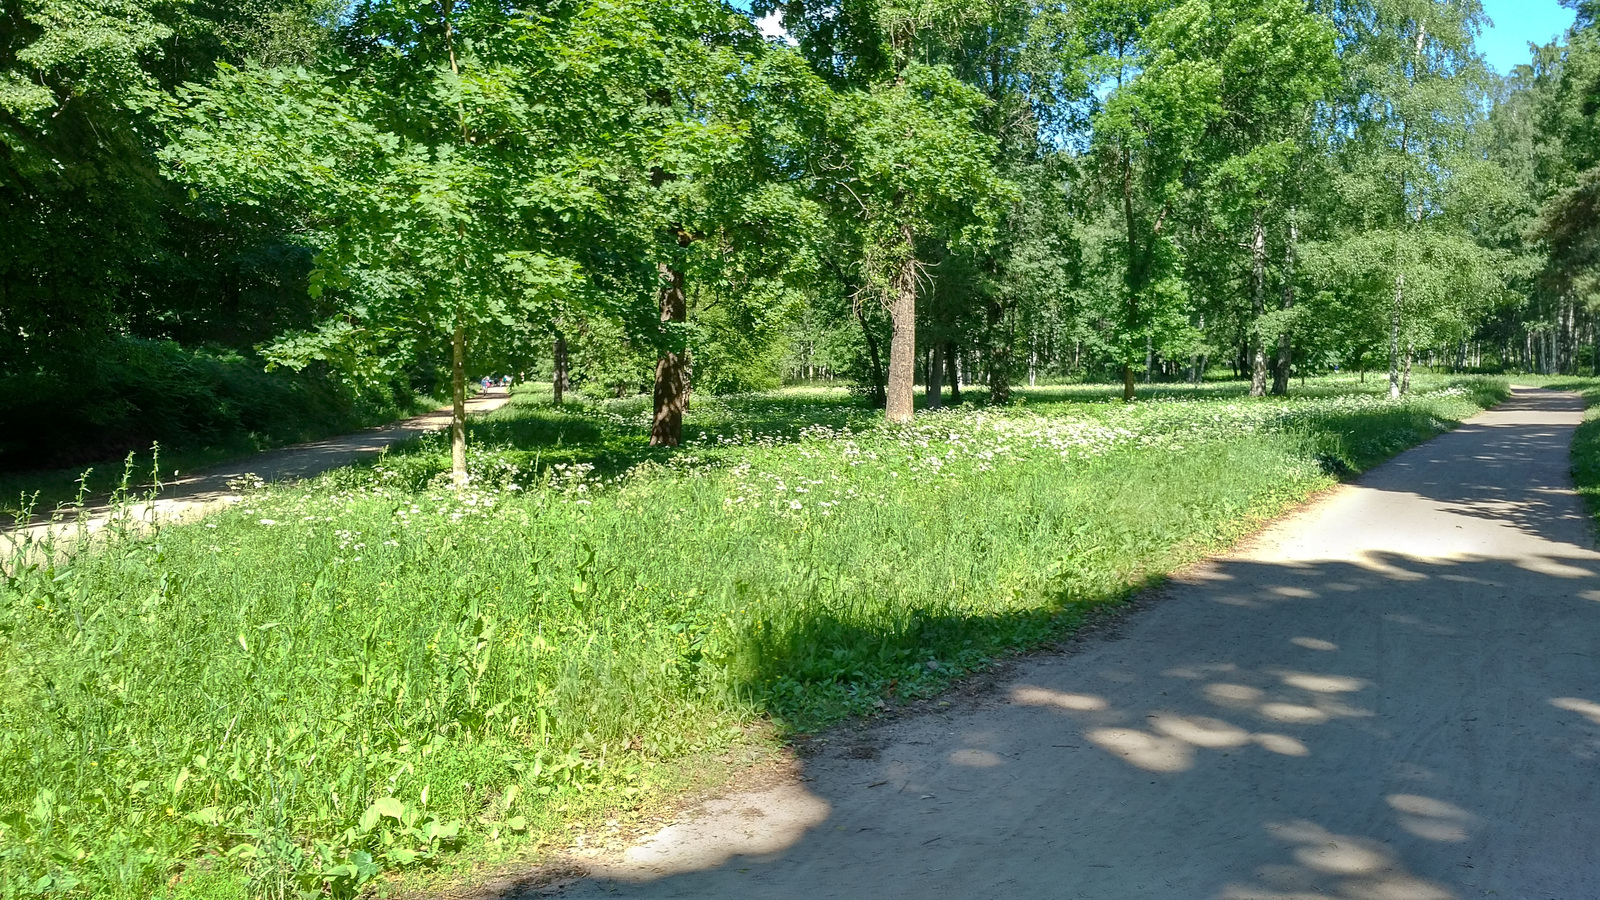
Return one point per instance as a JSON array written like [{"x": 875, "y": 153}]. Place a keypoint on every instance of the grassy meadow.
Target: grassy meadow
[{"x": 370, "y": 673}]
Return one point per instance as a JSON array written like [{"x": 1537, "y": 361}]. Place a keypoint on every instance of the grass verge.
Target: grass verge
[
  {"x": 370, "y": 673},
  {"x": 1586, "y": 440}
]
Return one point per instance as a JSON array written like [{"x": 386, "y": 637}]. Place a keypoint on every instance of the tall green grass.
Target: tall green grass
[{"x": 371, "y": 672}]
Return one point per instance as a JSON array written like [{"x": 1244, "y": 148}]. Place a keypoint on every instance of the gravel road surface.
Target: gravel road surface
[{"x": 1391, "y": 695}]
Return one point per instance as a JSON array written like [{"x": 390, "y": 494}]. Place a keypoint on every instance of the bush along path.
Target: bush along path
[{"x": 367, "y": 674}]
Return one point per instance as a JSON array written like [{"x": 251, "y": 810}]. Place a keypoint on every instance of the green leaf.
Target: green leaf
[{"x": 389, "y": 806}]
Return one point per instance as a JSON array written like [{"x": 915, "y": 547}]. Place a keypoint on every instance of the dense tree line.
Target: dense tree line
[{"x": 650, "y": 195}]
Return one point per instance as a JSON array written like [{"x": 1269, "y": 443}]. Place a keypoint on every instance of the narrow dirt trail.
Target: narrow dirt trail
[
  {"x": 1392, "y": 695},
  {"x": 198, "y": 493}
]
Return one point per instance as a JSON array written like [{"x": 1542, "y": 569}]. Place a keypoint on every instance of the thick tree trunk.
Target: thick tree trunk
[
  {"x": 458, "y": 405},
  {"x": 1285, "y": 359},
  {"x": 558, "y": 371},
  {"x": 900, "y": 406},
  {"x": 1405, "y": 377},
  {"x": 1394, "y": 335},
  {"x": 999, "y": 355},
  {"x": 1258, "y": 306},
  {"x": 672, "y": 366},
  {"x": 1128, "y": 391},
  {"x": 936, "y": 376}
]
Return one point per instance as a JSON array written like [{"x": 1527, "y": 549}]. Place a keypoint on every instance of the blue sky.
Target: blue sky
[{"x": 1516, "y": 22}]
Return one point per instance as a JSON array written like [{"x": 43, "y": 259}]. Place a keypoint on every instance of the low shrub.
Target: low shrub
[{"x": 137, "y": 392}]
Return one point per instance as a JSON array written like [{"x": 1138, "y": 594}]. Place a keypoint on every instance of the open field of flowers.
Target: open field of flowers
[{"x": 372, "y": 672}]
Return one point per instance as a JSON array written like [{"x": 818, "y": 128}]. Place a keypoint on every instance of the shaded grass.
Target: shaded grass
[
  {"x": 529, "y": 436},
  {"x": 365, "y": 673}
]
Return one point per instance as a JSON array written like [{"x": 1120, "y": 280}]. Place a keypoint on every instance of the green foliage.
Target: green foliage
[
  {"x": 61, "y": 50},
  {"x": 94, "y": 248},
  {"x": 420, "y": 230},
  {"x": 359, "y": 674},
  {"x": 1567, "y": 222},
  {"x": 135, "y": 392}
]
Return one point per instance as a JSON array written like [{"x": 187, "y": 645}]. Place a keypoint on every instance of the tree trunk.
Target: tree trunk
[
  {"x": 875, "y": 391},
  {"x": 458, "y": 405},
  {"x": 1135, "y": 273},
  {"x": 1280, "y": 374},
  {"x": 903, "y": 342},
  {"x": 1568, "y": 330},
  {"x": 1258, "y": 306},
  {"x": 1394, "y": 335},
  {"x": 936, "y": 376},
  {"x": 999, "y": 355},
  {"x": 672, "y": 366},
  {"x": 1405, "y": 378},
  {"x": 952, "y": 368},
  {"x": 558, "y": 373}
]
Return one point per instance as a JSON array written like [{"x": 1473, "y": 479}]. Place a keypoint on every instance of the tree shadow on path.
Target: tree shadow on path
[
  {"x": 1394, "y": 728},
  {"x": 1396, "y": 697}
]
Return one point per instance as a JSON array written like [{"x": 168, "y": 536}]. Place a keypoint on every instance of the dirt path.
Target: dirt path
[
  {"x": 1393, "y": 695},
  {"x": 198, "y": 493}
]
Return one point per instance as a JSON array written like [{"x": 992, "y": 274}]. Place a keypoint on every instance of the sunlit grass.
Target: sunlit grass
[{"x": 370, "y": 671}]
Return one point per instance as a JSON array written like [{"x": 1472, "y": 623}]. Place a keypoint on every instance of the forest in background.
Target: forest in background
[{"x": 649, "y": 196}]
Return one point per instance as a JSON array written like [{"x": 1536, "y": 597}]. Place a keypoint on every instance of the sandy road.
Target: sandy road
[{"x": 1393, "y": 695}]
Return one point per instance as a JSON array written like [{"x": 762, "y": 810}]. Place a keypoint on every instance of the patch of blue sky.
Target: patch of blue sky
[{"x": 1516, "y": 23}]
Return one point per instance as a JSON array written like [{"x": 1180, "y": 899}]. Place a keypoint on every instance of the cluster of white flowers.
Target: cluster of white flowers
[
  {"x": 836, "y": 462},
  {"x": 816, "y": 468}
]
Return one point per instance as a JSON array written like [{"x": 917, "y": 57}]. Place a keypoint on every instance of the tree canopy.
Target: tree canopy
[{"x": 649, "y": 196}]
